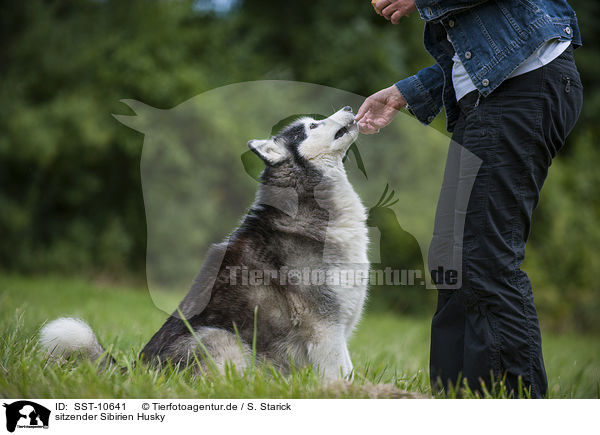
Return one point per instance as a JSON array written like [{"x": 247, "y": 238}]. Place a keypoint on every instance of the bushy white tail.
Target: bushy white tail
[{"x": 66, "y": 336}]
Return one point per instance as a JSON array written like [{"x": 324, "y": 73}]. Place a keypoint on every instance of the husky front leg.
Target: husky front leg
[
  {"x": 329, "y": 355},
  {"x": 348, "y": 368}
]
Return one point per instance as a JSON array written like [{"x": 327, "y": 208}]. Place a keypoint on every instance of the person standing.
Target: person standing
[{"x": 505, "y": 73}]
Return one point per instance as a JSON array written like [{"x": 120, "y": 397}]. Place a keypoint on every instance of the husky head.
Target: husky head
[{"x": 308, "y": 144}]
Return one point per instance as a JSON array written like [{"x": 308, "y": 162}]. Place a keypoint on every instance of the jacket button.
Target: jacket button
[
  {"x": 485, "y": 82},
  {"x": 568, "y": 30},
  {"x": 431, "y": 118},
  {"x": 451, "y": 23},
  {"x": 468, "y": 55}
]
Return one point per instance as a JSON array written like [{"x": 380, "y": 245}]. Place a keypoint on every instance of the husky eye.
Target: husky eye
[{"x": 313, "y": 125}]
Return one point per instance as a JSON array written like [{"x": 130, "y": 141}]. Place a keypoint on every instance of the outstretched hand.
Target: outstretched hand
[
  {"x": 379, "y": 109},
  {"x": 394, "y": 10}
]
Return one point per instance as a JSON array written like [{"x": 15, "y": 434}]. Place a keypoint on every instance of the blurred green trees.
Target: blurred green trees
[{"x": 70, "y": 190}]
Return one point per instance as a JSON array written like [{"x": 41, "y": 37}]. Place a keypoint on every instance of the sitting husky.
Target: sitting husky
[{"x": 306, "y": 219}]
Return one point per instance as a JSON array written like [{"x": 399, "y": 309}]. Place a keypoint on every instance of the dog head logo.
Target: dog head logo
[
  {"x": 26, "y": 414},
  {"x": 199, "y": 173}
]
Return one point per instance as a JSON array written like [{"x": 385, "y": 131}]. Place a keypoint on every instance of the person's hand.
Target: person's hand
[
  {"x": 379, "y": 109},
  {"x": 394, "y": 10}
]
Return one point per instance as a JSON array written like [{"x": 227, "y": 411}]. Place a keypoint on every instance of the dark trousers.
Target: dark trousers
[{"x": 498, "y": 159}]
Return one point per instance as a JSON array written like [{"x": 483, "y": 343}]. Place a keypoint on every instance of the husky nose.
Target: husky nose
[{"x": 347, "y": 109}]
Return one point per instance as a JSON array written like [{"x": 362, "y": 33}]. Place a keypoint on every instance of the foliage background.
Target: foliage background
[{"x": 70, "y": 191}]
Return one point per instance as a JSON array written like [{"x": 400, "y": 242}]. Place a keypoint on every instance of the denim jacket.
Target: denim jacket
[{"x": 491, "y": 37}]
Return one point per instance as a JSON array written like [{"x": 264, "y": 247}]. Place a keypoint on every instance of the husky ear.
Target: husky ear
[{"x": 269, "y": 151}]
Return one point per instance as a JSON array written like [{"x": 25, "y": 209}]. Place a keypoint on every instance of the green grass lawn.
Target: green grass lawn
[{"x": 390, "y": 352}]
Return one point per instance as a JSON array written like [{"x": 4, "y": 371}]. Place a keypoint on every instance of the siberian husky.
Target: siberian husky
[{"x": 264, "y": 284}]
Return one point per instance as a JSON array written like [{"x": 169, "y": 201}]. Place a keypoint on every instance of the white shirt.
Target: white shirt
[{"x": 549, "y": 51}]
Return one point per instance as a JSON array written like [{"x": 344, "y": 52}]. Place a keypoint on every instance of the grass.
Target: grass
[{"x": 390, "y": 353}]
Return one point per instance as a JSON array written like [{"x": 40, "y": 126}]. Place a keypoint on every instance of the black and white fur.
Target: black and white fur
[{"x": 306, "y": 214}]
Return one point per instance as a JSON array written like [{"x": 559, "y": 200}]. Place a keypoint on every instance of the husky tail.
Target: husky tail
[{"x": 66, "y": 337}]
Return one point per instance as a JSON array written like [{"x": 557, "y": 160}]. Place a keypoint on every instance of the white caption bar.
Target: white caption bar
[{"x": 262, "y": 416}]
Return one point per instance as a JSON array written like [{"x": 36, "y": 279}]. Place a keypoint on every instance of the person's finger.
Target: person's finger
[
  {"x": 381, "y": 4},
  {"x": 363, "y": 109},
  {"x": 365, "y": 128},
  {"x": 388, "y": 11},
  {"x": 396, "y": 17},
  {"x": 374, "y": 4},
  {"x": 372, "y": 127},
  {"x": 378, "y": 123}
]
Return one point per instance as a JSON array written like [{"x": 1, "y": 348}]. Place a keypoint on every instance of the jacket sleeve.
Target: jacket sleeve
[
  {"x": 423, "y": 93},
  {"x": 431, "y": 10}
]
